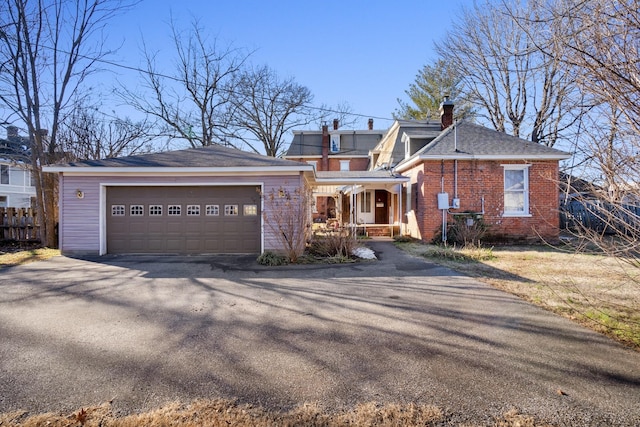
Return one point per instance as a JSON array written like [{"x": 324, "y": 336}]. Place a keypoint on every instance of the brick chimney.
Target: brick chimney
[
  {"x": 446, "y": 113},
  {"x": 370, "y": 124},
  {"x": 336, "y": 124},
  {"x": 325, "y": 148}
]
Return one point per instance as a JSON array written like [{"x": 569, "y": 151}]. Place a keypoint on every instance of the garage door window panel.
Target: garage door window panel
[
  {"x": 250, "y": 210},
  {"x": 136, "y": 210},
  {"x": 231, "y": 210},
  {"x": 117, "y": 210},
  {"x": 193, "y": 210},
  {"x": 155, "y": 210},
  {"x": 174, "y": 210},
  {"x": 212, "y": 210}
]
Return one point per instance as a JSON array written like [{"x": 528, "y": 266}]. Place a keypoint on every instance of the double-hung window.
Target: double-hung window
[
  {"x": 516, "y": 190},
  {"x": 4, "y": 174}
]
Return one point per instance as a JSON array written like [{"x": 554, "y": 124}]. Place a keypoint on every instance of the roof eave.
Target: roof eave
[
  {"x": 412, "y": 161},
  {"x": 106, "y": 170}
]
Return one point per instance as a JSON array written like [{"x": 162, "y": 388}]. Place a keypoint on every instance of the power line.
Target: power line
[{"x": 176, "y": 79}]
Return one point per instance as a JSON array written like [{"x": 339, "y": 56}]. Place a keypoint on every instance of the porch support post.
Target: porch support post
[{"x": 400, "y": 213}]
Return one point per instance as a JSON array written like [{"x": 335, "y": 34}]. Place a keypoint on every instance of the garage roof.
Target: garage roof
[{"x": 212, "y": 157}]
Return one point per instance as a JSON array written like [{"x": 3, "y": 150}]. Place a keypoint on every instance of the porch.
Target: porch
[{"x": 367, "y": 203}]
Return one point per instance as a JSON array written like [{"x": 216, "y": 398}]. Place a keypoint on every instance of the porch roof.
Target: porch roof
[{"x": 330, "y": 182}]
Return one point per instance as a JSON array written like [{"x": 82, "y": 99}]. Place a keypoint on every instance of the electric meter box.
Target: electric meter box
[
  {"x": 443, "y": 200},
  {"x": 455, "y": 203}
]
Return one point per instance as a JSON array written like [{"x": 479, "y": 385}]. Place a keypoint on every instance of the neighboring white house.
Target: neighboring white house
[{"x": 16, "y": 185}]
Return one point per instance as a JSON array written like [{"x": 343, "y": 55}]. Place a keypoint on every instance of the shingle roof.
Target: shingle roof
[
  {"x": 214, "y": 156},
  {"x": 465, "y": 140},
  {"x": 352, "y": 143},
  {"x": 393, "y": 150},
  {"x": 379, "y": 174}
]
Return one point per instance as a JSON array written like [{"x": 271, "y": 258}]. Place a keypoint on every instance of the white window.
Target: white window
[
  {"x": 344, "y": 165},
  {"x": 365, "y": 202},
  {"x": 136, "y": 210},
  {"x": 231, "y": 210},
  {"x": 174, "y": 210},
  {"x": 516, "y": 190},
  {"x": 3, "y": 201},
  {"x": 212, "y": 210},
  {"x": 4, "y": 174},
  {"x": 155, "y": 210},
  {"x": 117, "y": 210},
  {"x": 193, "y": 210}
]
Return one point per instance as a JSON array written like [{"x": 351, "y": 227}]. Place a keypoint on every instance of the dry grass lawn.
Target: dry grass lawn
[
  {"x": 598, "y": 291},
  {"x": 9, "y": 258},
  {"x": 227, "y": 413}
]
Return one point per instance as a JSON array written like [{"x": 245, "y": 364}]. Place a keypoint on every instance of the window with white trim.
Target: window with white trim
[
  {"x": 212, "y": 210},
  {"x": 155, "y": 210},
  {"x": 174, "y": 210},
  {"x": 516, "y": 190},
  {"x": 231, "y": 210},
  {"x": 117, "y": 210},
  {"x": 344, "y": 165},
  {"x": 193, "y": 210},
  {"x": 136, "y": 210},
  {"x": 365, "y": 202}
]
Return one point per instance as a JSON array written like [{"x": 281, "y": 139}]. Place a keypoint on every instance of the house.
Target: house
[
  {"x": 201, "y": 200},
  {"x": 436, "y": 172},
  {"x": 346, "y": 191},
  {"x": 16, "y": 187}
]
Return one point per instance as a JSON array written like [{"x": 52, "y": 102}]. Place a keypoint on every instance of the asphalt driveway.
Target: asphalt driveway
[{"x": 145, "y": 331}]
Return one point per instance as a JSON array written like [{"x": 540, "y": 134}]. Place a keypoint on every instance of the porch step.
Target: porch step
[{"x": 382, "y": 231}]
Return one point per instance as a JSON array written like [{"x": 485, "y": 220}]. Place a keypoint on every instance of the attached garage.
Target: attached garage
[
  {"x": 177, "y": 219},
  {"x": 206, "y": 200}
]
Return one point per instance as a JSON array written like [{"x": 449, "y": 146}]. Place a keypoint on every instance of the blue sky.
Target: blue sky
[{"x": 362, "y": 53}]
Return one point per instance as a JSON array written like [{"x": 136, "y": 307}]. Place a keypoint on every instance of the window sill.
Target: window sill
[{"x": 516, "y": 215}]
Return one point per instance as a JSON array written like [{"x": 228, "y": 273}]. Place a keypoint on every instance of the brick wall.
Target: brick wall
[
  {"x": 478, "y": 180},
  {"x": 355, "y": 164}
]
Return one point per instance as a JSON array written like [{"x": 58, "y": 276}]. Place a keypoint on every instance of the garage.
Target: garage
[
  {"x": 183, "y": 219},
  {"x": 206, "y": 200}
]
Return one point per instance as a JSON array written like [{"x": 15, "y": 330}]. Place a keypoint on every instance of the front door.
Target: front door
[{"x": 382, "y": 207}]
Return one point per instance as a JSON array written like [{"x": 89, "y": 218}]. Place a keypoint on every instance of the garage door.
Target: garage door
[{"x": 183, "y": 219}]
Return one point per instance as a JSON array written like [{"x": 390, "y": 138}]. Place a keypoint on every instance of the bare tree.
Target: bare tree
[
  {"x": 89, "y": 134},
  {"x": 194, "y": 102},
  {"x": 48, "y": 50},
  {"x": 267, "y": 108},
  {"x": 514, "y": 86},
  {"x": 342, "y": 112},
  {"x": 604, "y": 44},
  {"x": 287, "y": 214}
]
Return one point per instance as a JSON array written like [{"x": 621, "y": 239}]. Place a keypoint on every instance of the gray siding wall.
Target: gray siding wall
[{"x": 80, "y": 218}]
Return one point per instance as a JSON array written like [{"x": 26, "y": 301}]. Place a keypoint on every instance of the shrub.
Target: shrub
[
  {"x": 332, "y": 245},
  {"x": 272, "y": 259},
  {"x": 463, "y": 232}
]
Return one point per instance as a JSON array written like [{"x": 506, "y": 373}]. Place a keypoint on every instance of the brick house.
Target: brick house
[
  {"x": 345, "y": 190},
  {"x": 434, "y": 174}
]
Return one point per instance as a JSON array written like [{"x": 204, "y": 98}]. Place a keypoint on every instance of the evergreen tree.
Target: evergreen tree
[{"x": 432, "y": 84}]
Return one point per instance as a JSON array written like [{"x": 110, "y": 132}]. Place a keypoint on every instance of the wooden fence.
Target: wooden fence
[{"x": 19, "y": 224}]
